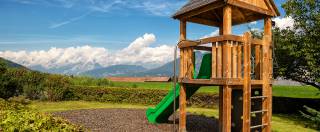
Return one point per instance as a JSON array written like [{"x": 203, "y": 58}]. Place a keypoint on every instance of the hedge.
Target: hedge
[{"x": 135, "y": 96}]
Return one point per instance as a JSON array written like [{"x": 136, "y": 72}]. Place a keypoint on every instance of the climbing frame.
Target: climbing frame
[{"x": 241, "y": 65}]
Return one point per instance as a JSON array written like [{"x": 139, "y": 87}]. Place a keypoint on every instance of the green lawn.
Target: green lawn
[
  {"x": 283, "y": 91},
  {"x": 280, "y": 123}
]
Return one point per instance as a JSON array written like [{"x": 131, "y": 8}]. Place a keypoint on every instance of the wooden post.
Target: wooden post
[
  {"x": 239, "y": 59},
  {"x": 266, "y": 88},
  {"x": 257, "y": 50},
  {"x": 182, "y": 97},
  {"x": 226, "y": 63},
  {"x": 219, "y": 75},
  {"x": 234, "y": 60},
  {"x": 247, "y": 83},
  {"x": 214, "y": 60}
]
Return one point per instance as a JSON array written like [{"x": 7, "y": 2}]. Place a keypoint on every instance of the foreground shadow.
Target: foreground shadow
[{"x": 199, "y": 123}]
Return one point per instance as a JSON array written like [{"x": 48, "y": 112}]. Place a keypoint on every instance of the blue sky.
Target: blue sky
[
  {"x": 41, "y": 24},
  {"x": 81, "y": 34}
]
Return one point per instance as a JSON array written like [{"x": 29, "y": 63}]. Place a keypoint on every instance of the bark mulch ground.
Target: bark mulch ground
[{"x": 131, "y": 120}]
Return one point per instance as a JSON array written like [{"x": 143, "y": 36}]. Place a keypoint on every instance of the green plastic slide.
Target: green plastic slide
[{"x": 164, "y": 109}]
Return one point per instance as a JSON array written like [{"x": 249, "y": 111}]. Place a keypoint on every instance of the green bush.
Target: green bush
[
  {"x": 135, "y": 96},
  {"x": 56, "y": 87},
  {"x": 89, "y": 81},
  {"x": 16, "y": 117},
  {"x": 312, "y": 115},
  {"x": 10, "y": 82},
  {"x": 134, "y": 85}
]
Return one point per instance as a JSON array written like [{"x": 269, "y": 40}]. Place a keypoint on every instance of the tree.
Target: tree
[{"x": 297, "y": 49}]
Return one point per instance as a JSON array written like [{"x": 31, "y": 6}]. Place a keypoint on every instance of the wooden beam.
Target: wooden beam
[
  {"x": 221, "y": 81},
  {"x": 256, "y": 41},
  {"x": 239, "y": 59},
  {"x": 266, "y": 87},
  {"x": 250, "y": 7},
  {"x": 214, "y": 60},
  {"x": 182, "y": 97},
  {"x": 241, "y": 14},
  {"x": 221, "y": 38},
  {"x": 219, "y": 75},
  {"x": 203, "y": 21},
  {"x": 226, "y": 65},
  {"x": 234, "y": 59},
  {"x": 204, "y": 48},
  {"x": 200, "y": 10},
  {"x": 214, "y": 81},
  {"x": 246, "y": 83}
]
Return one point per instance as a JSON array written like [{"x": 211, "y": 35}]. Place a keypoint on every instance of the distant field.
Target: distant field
[{"x": 282, "y": 91}]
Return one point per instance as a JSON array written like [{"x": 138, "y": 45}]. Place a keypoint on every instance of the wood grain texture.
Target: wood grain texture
[
  {"x": 266, "y": 88},
  {"x": 246, "y": 83},
  {"x": 226, "y": 64},
  {"x": 182, "y": 97}
]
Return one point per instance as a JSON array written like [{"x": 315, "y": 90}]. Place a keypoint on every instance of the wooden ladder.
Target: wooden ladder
[{"x": 257, "y": 110}]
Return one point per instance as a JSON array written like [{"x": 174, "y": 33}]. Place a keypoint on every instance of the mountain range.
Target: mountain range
[
  {"x": 96, "y": 70},
  {"x": 11, "y": 64}
]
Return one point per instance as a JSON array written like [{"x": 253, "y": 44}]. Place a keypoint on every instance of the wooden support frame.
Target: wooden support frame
[
  {"x": 246, "y": 84},
  {"x": 266, "y": 87},
  {"x": 225, "y": 122},
  {"x": 182, "y": 97},
  {"x": 231, "y": 65}
]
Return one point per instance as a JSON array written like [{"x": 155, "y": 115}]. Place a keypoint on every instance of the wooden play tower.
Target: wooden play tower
[{"x": 241, "y": 65}]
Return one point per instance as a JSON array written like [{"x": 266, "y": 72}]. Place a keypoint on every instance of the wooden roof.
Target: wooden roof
[{"x": 209, "y": 12}]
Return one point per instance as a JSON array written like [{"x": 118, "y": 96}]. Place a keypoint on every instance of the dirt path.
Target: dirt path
[{"x": 130, "y": 120}]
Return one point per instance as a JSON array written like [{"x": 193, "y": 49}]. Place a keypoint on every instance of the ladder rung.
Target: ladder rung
[
  {"x": 259, "y": 111},
  {"x": 257, "y": 126},
  {"x": 258, "y": 97}
]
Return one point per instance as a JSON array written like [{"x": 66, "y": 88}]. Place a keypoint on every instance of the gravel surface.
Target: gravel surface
[{"x": 131, "y": 120}]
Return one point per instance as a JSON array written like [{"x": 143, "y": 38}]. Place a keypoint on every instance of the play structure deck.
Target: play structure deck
[{"x": 240, "y": 65}]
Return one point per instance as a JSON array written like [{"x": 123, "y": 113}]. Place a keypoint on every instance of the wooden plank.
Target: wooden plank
[
  {"x": 182, "y": 97},
  {"x": 203, "y": 21},
  {"x": 204, "y": 48},
  {"x": 215, "y": 81},
  {"x": 226, "y": 63},
  {"x": 190, "y": 63},
  {"x": 226, "y": 114},
  {"x": 246, "y": 84},
  {"x": 219, "y": 75},
  {"x": 219, "y": 61},
  {"x": 190, "y": 43},
  {"x": 234, "y": 60},
  {"x": 214, "y": 60},
  {"x": 200, "y": 10},
  {"x": 266, "y": 87},
  {"x": 182, "y": 109},
  {"x": 256, "y": 41},
  {"x": 239, "y": 59},
  {"x": 250, "y": 7}
]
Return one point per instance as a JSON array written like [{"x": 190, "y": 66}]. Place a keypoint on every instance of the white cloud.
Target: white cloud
[
  {"x": 56, "y": 25},
  {"x": 84, "y": 58},
  {"x": 253, "y": 23},
  {"x": 214, "y": 33},
  {"x": 283, "y": 23}
]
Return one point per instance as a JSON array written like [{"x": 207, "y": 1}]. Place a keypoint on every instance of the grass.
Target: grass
[
  {"x": 296, "y": 91},
  {"x": 280, "y": 91},
  {"x": 280, "y": 123}
]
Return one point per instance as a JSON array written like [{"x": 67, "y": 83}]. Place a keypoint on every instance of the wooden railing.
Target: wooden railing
[{"x": 239, "y": 47}]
